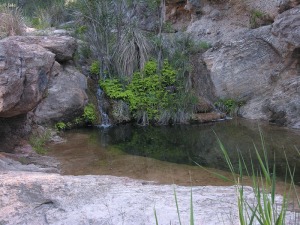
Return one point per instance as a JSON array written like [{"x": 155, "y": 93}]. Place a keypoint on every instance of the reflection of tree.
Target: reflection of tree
[{"x": 185, "y": 144}]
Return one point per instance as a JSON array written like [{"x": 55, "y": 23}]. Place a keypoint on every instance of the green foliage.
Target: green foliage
[
  {"x": 229, "y": 106},
  {"x": 39, "y": 141},
  {"x": 60, "y": 126},
  {"x": 90, "y": 114},
  {"x": 168, "y": 28},
  {"x": 95, "y": 68},
  {"x": 255, "y": 16},
  {"x": 81, "y": 30},
  {"x": 265, "y": 209},
  {"x": 204, "y": 45},
  {"x": 78, "y": 121},
  {"x": 149, "y": 94}
]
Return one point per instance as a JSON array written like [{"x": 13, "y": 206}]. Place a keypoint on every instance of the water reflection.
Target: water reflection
[
  {"x": 177, "y": 144},
  {"x": 198, "y": 143}
]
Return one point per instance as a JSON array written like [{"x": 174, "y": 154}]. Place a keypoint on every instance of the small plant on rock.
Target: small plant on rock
[
  {"x": 38, "y": 142},
  {"x": 89, "y": 114},
  {"x": 95, "y": 68},
  {"x": 60, "y": 126}
]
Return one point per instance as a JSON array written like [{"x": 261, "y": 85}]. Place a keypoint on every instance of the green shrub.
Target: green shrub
[
  {"x": 150, "y": 94},
  {"x": 204, "y": 45},
  {"x": 95, "y": 68},
  {"x": 229, "y": 106},
  {"x": 89, "y": 114},
  {"x": 60, "y": 126}
]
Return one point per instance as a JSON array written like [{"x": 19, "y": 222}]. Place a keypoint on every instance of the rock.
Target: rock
[
  {"x": 242, "y": 69},
  {"x": 39, "y": 198},
  {"x": 287, "y": 28},
  {"x": 66, "y": 97},
  {"x": 261, "y": 68},
  {"x": 63, "y": 47},
  {"x": 41, "y": 163},
  {"x": 208, "y": 117},
  {"x": 203, "y": 106},
  {"x": 13, "y": 130},
  {"x": 24, "y": 75}
]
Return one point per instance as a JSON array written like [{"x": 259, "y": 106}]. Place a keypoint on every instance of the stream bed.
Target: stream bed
[{"x": 167, "y": 154}]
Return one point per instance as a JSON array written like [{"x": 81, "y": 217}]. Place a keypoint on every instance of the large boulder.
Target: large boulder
[
  {"x": 287, "y": 28},
  {"x": 24, "y": 75},
  {"x": 31, "y": 80},
  {"x": 261, "y": 68},
  {"x": 63, "y": 47},
  {"x": 66, "y": 96}
]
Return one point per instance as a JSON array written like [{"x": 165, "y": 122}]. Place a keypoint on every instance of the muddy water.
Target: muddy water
[{"x": 168, "y": 154}]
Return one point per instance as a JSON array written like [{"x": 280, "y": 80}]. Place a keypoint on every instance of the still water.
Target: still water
[{"x": 168, "y": 154}]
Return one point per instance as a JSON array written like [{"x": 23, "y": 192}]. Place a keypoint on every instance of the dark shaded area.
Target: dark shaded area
[
  {"x": 12, "y": 131},
  {"x": 296, "y": 56}
]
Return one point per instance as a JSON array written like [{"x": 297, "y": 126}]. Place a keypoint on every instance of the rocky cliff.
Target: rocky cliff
[
  {"x": 38, "y": 85},
  {"x": 255, "y": 54}
]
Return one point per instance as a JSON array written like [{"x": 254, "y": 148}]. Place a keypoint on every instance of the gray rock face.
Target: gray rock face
[
  {"x": 24, "y": 75},
  {"x": 63, "y": 47},
  {"x": 66, "y": 96},
  {"x": 29, "y": 74},
  {"x": 287, "y": 27},
  {"x": 37, "y": 198},
  {"x": 261, "y": 67}
]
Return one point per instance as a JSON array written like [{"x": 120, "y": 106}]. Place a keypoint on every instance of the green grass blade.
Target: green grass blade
[
  {"x": 227, "y": 158},
  {"x": 292, "y": 177},
  {"x": 273, "y": 190},
  {"x": 177, "y": 206},
  {"x": 192, "y": 210},
  {"x": 214, "y": 173},
  {"x": 156, "y": 220},
  {"x": 264, "y": 149},
  {"x": 244, "y": 164},
  {"x": 254, "y": 215},
  {"x": 263, "y": 167}
]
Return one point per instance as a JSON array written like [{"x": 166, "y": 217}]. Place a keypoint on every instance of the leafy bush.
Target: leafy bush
[
  {"x": 229, "y": 106},
  {"x": 149, "y": 94},
  {"x": 60, "y": 126},
  {"x": 89, "y": 114},
  {"x": 95, "y": 68}
]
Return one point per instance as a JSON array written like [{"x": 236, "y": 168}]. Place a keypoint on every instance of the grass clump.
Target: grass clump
[
  {"x": 264, "y": 209},
  {"x": 204, "y": 45},
  {"x": 38, "y": 142},
  {"x": 11, "y": 21}
]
